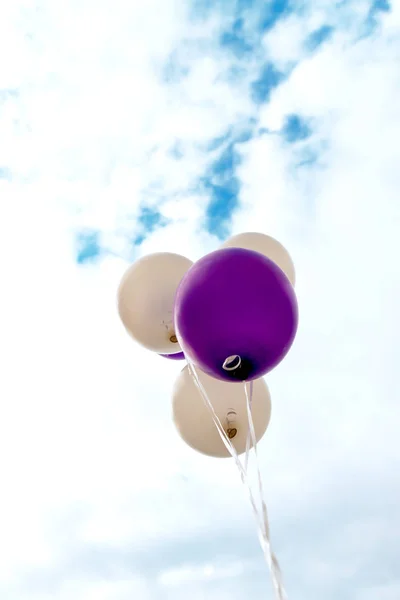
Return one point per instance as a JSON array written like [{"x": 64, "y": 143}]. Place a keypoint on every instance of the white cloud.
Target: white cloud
[
  {"x": 389, "y": 591},
  {"x": 89, "y": 458}
]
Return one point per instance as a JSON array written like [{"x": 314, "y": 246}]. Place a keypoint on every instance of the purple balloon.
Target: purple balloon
[
  {"x": 177, "y": 356},
  {"x": 236, "y": 314}
]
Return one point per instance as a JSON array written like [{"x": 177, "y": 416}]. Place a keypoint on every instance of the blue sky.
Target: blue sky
[{"x": 135, "y": 127}]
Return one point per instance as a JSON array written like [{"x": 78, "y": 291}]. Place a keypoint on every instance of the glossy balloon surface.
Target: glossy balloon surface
[
  {"x": 267, "y": 245},
  {"x": 177, "y": 356},
  {"x": 235, "y": 302},
  {"x": 146, "y": 300}
]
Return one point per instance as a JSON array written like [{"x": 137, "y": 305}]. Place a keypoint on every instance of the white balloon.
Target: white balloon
[
  {"x": 146, "y": 298},
  {"x": 194, "y": 421},
  {"x": 267, "y": 245}
]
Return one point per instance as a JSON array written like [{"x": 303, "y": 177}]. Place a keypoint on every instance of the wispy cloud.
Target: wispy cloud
[{"x": 142, "y": 127}]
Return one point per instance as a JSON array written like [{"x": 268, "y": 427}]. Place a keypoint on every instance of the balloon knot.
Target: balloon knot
[{"x": 232, "y": 363}]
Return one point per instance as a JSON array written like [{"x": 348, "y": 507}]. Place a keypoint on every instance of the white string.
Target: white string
[
  {"x": 262, "y": 520},
  {"x": 248, "y": 439},
  {"x": 225, "y": 439},
  {"x": 264, "y": 536}
]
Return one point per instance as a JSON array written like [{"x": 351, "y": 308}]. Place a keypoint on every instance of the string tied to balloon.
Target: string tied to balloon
[
  {"x": 264, "y": 534},
  {"x": 261, "y": 519}
]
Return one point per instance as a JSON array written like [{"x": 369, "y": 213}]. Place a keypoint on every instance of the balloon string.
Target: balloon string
[
  {"x": 262, "y": 522},
  {"x": 225, "y": 439},
  {"x": 248, "y": 440},
  {"x": 264, "y": 534}
]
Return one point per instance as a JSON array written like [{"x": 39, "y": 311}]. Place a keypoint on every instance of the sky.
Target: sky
[{"x": 132, "y": 127}]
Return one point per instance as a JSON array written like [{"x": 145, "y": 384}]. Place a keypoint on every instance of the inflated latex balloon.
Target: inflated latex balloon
[
  {"x": 235, "y": 314},
  {"x": 195, "y": 423},
  {"x": 146, "y": 300},
  {"x": 266, "y": 245},
  {"x": 177, "y": 356}
]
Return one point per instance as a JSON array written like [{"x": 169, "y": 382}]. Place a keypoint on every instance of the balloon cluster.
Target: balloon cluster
[{"x": 232, "y": 315}]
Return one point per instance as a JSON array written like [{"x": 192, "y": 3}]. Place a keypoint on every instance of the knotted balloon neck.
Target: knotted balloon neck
[
  {"x": 173, "y": 339},
  {"x": 231, "y": 428},
  {"x": 237, "y": 368},
  {"x": 232, "y": 363}
]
